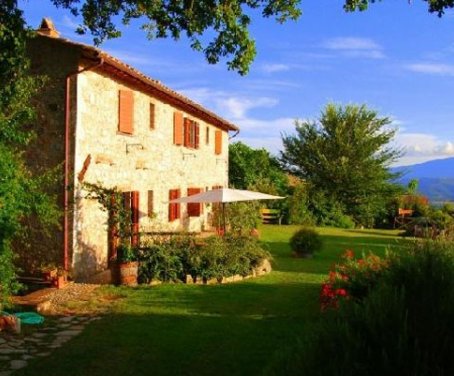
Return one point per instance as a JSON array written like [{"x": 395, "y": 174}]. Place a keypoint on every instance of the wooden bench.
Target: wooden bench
[{"x": 270, "y": 216}]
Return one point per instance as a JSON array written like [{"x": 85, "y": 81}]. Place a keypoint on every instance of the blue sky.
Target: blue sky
[{"x": 396, "y": 58}]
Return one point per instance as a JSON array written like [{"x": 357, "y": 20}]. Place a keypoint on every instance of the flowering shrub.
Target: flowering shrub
[
  {"x": 399, "y": 323},
  {"x": 353, "y": 278}
]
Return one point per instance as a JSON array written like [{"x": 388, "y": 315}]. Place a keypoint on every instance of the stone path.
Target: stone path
[{"x": 17, "y": 350}]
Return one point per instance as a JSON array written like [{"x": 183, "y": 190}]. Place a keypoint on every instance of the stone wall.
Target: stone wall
[
  {"x": 146, "y": 160},
  {"x": 54, "y": 61}
]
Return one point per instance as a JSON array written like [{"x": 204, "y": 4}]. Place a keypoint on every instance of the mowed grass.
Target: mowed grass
[{"x": 233, "y": 329}]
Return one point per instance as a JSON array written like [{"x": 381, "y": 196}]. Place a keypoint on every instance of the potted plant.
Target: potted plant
[
  {"x": 128, "y": 266},
  {"x": 60, "y": 279}
]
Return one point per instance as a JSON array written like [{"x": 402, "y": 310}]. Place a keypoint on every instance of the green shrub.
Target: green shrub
[
  {"x": 165, "y": 258},
  {"x": 306, "y": 241},
  {"x": 299, "y": 212},
  {"x": 344, "y": 221},
  {"x": 357, "y": 276},
  {"x": 172, "y": 258},
  {"x": 401, "y": 326}
]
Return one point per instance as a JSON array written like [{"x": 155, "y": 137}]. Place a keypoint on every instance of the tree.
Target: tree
[
  {"x": 22, "y": 195},
  {"x": 225, "y": 21},
  {"x": 435, "y": 6},
  {"x": 345, "y": 155},
  {"x": 255, "y": 168},
  {"x": 412, "y": 186}
]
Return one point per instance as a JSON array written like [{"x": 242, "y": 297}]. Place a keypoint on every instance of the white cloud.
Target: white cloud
[
  {"x": 230, "y": 105},
  {"x": 432, "y": 68},
  {"x": 237, "y": 107},
  {"x": 422, "y": 147},
  {"x": 273, "y": 68},
  {"x": 69, "y": 23},
  {"x": 355, "y": 47}
]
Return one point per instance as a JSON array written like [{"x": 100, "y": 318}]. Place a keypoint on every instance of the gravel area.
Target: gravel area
[
  {"x": 73, "y": 291},
  {"x": 60, "y": 301}
]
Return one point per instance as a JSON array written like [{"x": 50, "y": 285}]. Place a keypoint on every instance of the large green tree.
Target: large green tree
[
  {"x": 345, "y": 155},
  {"x": 22, "y": 195}
]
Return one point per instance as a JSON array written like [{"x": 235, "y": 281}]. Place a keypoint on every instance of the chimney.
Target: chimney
[{"x": 47, "y": 28}]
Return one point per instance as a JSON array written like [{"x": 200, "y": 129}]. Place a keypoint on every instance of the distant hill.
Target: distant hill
[{"x": 436, "y": 178}]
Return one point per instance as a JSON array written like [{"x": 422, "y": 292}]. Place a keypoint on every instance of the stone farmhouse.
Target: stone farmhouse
[{"x": 109, "y": 124}]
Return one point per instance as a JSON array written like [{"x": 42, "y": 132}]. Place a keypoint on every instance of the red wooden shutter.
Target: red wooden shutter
[
  {"x": 178, "y": 128},
  {"x": 187, "y": 132},
  {"x": 152, "y": 116},
  {"x": 178, "y": 206},
  {"x": 126, "y": 111},
  {"x": 174, "y": 209},
  {"x": 150, "y": 204},
  {"x": 197, "y": 135},
  {"x": 218, "y": 142},
  {"x": 194, "y": 209},
  {"x": 135, "y": 218}
]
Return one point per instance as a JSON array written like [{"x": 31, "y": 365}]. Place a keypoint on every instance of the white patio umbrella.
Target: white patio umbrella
[{"x": 224, "y": 195}]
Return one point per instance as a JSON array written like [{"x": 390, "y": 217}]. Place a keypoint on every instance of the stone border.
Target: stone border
[{"x": 262, "y": 269}]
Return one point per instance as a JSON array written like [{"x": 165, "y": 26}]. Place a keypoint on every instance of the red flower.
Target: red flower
[{"x": 341, "y": 292}]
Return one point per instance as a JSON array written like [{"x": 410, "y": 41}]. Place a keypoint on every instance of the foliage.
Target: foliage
[
  {"x": 306, "y": 241},
  {"x": 299, "y": 212},
  {"x": 23, "y": 196},
  {"x": 345, "y": 156},
  {"x": 435, "y": 6},
  {"x": 111, "y": 201},
  {"x": 126, "y": 253},
  {"x": 430, "y": 222},
  {"x": 243, "y": 217},
  {"x": 402, "y": 324},
  {"x": 412, "y": 187},
  {"x": 159, "y": 262},
  {"x": 255, "y": 168},
  {"x": 353, "y": 279},
  {"x": 326, "y": 210},
  {"x": 227, "y": 22},
  {"x": 172, "y": 258}
]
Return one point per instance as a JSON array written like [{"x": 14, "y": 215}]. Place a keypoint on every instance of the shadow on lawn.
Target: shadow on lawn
[
  {"x": 374, "y": 233},
  {"x": 204, "y": 330},
  {"x": 333, "y": 248}
]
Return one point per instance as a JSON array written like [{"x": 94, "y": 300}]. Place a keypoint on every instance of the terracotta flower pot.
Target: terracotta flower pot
[{"x": 128, "y": 273}]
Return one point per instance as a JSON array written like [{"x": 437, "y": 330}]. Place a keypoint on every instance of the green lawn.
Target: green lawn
[{"x": 233, "y": 329}]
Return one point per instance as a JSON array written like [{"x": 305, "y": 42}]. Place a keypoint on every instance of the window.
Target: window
[
  {"x": 178, "y": 128},
  {"x": 174, "y": 209},
  {"x": 207, "y": 136},
  {"x": 194, "y": 209},
  {"x": 191, "y": 134},
  {"x": 218, "y": 142},
  {"x": 126, "y": 111},
  {"x": 150, "y": 208},
  {"x": 152, "y": 116}
]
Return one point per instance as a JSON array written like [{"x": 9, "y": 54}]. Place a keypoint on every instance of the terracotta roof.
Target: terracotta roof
[{"x": 126, "y": 72}]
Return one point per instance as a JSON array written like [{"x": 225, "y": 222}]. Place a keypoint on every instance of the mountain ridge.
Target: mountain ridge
[{"x": 436, "y": 178}]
